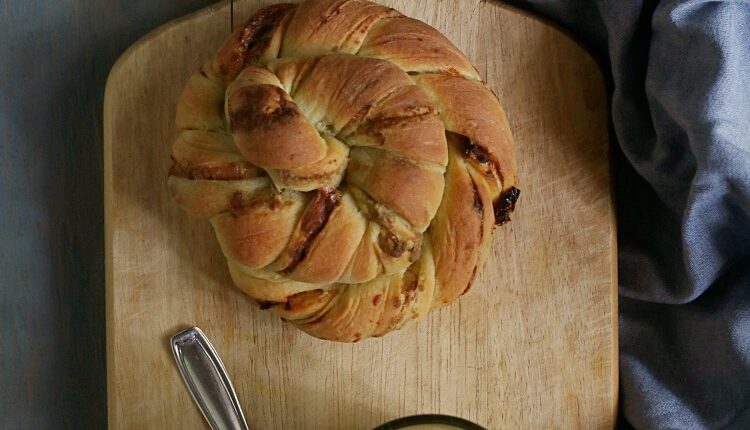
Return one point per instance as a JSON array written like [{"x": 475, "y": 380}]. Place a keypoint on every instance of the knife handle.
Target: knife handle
[{"x": 207, "y": 380}]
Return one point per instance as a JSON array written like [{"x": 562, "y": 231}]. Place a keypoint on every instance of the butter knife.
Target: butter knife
[{"x": 207, "y": 380}]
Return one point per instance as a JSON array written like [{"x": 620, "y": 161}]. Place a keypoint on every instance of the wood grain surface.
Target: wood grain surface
[{"x": 533, "y": 345}]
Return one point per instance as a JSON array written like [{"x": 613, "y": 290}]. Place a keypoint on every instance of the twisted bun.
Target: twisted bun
[{"x": 351, "y": 162}]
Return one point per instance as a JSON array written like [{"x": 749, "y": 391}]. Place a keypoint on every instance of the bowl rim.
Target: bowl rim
[{"x": 404, "y": 422}]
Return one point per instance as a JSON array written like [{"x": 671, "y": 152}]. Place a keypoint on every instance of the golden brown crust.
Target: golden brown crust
[
  {"x": 469, "y": 108},
  {"x": 413, "y": 191},
  {"x": 201, "y": 105},
  {"x": 325, "y": 173},
  {"x": 259, "y": 37},
  {"x": 416, "y": 48},
  {"x": 457, "y": 231},
  {"x": 365, "y": 264},
  {"x": 322, "y": 27},
  {"x": 204, "y": 198},
  {"x": 340, "y": 88},
  {"x": 331, "y": 250},
  {"x": 209, "y": 155},
  {"x": 406, "y": 123},
  {"x": 309, "y": 224},
  {"x": 255, "y": 231},
  {"x": 352, "y": 164},
  {"x": 266, "y": 124}
]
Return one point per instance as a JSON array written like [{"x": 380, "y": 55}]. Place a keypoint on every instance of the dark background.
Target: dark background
[{"x": 55, "y": 56}]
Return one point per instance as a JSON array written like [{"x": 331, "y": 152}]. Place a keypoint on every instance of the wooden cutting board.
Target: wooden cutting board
[{"x": 534, "y": 343}]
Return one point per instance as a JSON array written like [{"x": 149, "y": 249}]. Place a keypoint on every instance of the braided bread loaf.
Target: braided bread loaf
[{"x": 349, "y": 159}]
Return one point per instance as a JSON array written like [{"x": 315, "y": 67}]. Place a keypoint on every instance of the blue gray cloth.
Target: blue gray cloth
[{"x": 679, "y": 78}]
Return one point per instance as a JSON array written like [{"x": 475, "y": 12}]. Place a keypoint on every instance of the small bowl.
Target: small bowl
[{"x": 430, "y": 422}]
